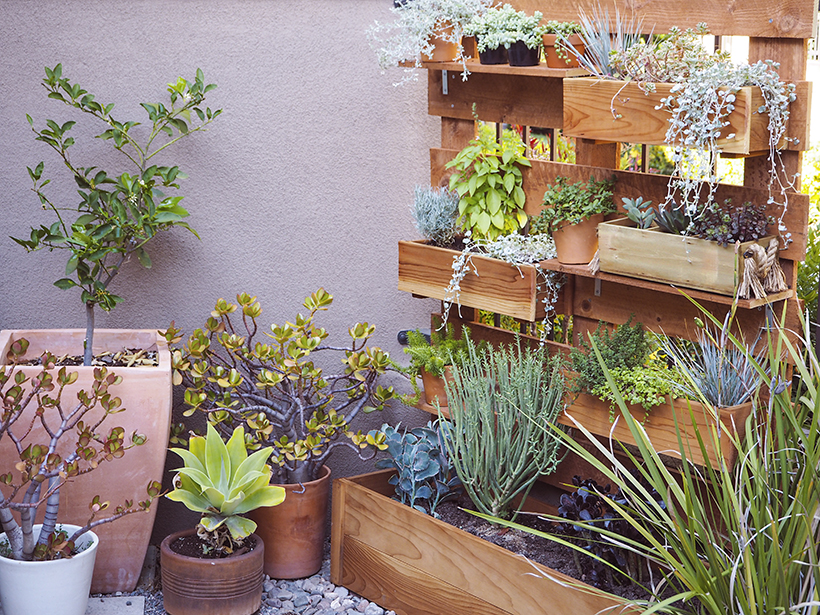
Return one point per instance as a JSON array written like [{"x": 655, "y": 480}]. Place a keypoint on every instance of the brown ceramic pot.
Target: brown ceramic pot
[
  {"x": 194, "y": 586},
  {"x": 576, "y": 244},
  {"x": 294, "y": 531},
  {"x": 146, "y": 397}
]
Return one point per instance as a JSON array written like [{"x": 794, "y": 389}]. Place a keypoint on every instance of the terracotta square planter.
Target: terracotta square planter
[{"x": 146, "y": 397}]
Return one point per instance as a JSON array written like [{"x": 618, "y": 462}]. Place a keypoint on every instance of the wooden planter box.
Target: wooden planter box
[
  {"x": 593, "y": 414},
  {"x": 589, "y": 104},
  {"x": 417, "y": 565},
  {"x": 651, "y": 254},
  {"x": 502, "y": 288}
]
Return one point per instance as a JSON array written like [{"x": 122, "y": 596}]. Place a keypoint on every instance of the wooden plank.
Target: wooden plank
[
  {"x": 456, "y": 133},
  {"x": 498, "y": 286},
  {"x": 650, "y": 186},
  {"x": 537, "y": 99},
  {"x": 475, "y": 67},
  {"x": 591, "y": 153},
  {"x": 481, "y": 569},
  {"x": 407, "y": 590},
  {"x": 763, "y": 18}
]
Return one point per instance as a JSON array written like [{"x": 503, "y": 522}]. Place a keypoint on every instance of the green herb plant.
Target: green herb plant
[
  {"x": 566, "y": 203},
  {"x": 489, "y": 182},
  {"x": 117, "y": 215}
]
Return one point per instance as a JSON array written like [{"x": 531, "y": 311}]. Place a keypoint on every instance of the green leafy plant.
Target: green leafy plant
[
  {"x": 36, "y": 480},
  {"x": 503, "y": 26},
  {"x": 645, "y": 385},
  {"x": 438, "y": 353},
  {"x": 222, "y": 482},
  {"x": 424, "y": 476},
  {"x": 435, "y": 214},
  {"x": 488, "y": 181},
  {"x": 639, "y": 211},
  {"x": 275, "y": 389},
  {"x": 497, "y": 454},
  {"x": 566, "y": 203},
  {"x": 117, "y": 215},
  {"x": 729, "y": 224}
]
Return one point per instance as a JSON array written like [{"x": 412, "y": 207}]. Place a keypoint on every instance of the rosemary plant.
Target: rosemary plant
[{"x": 504, "y": 402}]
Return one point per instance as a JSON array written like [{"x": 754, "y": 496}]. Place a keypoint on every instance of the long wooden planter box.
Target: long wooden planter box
[
  {"x": 414, "y": 564},
  {"x": 502, "y": 288},
  {"x": 651, "y": 254},
  {"x": 589, "y": 104},
  {"x": 593, "y": 414},
  {"x": 146, "y": 394}
]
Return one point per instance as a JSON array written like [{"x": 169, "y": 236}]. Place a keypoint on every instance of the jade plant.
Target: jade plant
[
  {"x": 223, "y": 482},
  {"x": 489, "y": 182},
  {"x": 116, "y": 215},
  {"x": 570, "y": 203},
  {"x": 38, "y": 418},
  {"x": 271, "y": 384}
]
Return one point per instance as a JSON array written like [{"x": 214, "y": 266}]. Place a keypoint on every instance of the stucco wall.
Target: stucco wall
[{"x": 304, "y": 181}]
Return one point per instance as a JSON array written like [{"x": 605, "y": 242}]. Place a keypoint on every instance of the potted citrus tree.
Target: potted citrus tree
[
  {"x": 110, "y": 223},
  {"x": 217, "y": 567},
  {"x": 272, "y": 385},
  {"x": 58, "y": 436}
]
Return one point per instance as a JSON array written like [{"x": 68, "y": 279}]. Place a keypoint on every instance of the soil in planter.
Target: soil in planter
[
  {"x": 130, "y": 357},
  {"x": 192, "y": 546},
  {"x": 540, "y": 550}
]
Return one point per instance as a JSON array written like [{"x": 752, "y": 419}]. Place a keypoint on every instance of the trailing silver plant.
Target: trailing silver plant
[
  {"x": 516, "y": 250},
  {"x": 435, "y": 214},
  {"x": 503, "y": 403}
]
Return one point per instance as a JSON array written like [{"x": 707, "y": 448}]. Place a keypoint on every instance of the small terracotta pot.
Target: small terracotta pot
[
  {"x": 434, "y": 387},
  {"x": 229, "y": 586},
  {"x": 294, "y": 531},
  {"x": 444, "y": 50},
  {"x": 553, "y": 61},
  {"x": 521, "y": 55},
  {"x": 576, "y": 244}
]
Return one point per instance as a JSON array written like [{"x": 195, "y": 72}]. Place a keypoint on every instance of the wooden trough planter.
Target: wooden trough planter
[
  {"x": 499, "y": 287},
  {"x": 593, "y": 414},
  {"x": 415, "y": 564},
  {"x": 610, "y": 110},
  {"x": 691, "y": 262}
]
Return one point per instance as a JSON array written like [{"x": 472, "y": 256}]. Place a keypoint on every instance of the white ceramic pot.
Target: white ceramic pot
[{"x": 61, "y": 586}]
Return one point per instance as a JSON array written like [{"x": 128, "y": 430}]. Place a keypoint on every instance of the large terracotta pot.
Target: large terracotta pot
[
  {"x": 434, "y": 390},
  {"x": 59, "y": 586},
  {"x": 229, "y": 586},
  {"x": 576, "y": 244},
  {"x": 294, "y": 532},
  {"x": 146, "y": 397}
]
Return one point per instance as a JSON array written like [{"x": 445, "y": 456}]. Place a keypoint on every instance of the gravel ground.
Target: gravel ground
[{"x": 315, "y": 595}]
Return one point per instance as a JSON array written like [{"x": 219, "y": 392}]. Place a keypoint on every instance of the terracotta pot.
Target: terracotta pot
[
  {"x": 434, "y": 387},
  {"x": 59, "y": 586},
  {"x": 576, "y": 244},
  {"x": 444, "y": 50},
  {"x": 146, "y": 396},
  {"x": 553, "y": 60},
  {"x": 229, "y": 586},
  {"x": 521, "y": 55},
  {"x": 294, "y": 532}
]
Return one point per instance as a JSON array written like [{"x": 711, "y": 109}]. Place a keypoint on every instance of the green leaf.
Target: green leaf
[
  {"x": 493, "y": 201},
  {"x": 144, "y": 259},
  {"x": 483, "y": 222},
  {"x": 65, "y": 283}
]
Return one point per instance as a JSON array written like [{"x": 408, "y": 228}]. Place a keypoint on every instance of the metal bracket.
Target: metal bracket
[
  {"x": 597, "y": 287},
  {"x": 444, "y": 89}
]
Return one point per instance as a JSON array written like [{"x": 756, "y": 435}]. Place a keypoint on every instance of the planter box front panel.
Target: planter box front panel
[
  {"x": 593, "y": 414},
  {"x": 414, "y": 564},
  {"x": 499, "y": 287},
  {"x": 589, "y": 104},
  {"x": 146, "y": 397},
  {"x": 650, "y": 254}
]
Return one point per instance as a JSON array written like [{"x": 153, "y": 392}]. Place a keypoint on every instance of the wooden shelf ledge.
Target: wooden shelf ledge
[
  {"x": 474, "y": 66},
  {"x": 583, "y": 271}
]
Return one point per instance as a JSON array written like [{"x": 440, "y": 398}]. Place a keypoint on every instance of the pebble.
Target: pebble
[{"x": 312, "y": 596}]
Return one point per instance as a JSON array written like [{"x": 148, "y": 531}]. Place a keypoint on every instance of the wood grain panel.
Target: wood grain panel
[
  {"x": 514, "y": 99},
  {"x": 763, "y": 18},
  {"x": 649, "y": 185}
]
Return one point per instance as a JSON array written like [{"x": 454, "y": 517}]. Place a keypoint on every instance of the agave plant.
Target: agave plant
[{"x": 222, "y": 482}]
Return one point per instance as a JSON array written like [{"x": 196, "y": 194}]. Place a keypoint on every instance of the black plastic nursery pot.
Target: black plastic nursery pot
[
  {"x": 521, "y": 55},
  {"x": 493, "y": 56}
]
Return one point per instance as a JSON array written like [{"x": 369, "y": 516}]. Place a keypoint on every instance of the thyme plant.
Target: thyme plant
[
  {"x": 504, "y": 403},
  {"x": 117, "y": 215}
]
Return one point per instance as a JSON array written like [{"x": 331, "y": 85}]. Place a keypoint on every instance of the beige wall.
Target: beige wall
[{"x": 304, "y": 181}]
